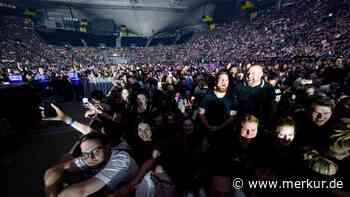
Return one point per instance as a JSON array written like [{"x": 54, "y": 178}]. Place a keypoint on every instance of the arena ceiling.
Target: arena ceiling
[{"x": 142, "y": 17}]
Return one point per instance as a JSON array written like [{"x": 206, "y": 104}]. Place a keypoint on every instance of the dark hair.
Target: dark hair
[
  {"x": 342, "y": 109},
  {"x": 76, "y": 150},
  {"x": 322, "y": 101},
  {"x": 95, "y": 136},
  {"x": 287, "y": 121},
  {"x": 97, "y": 95},
  {"x": 273, "y": 76},
  {"x": 221, "y": 72}
]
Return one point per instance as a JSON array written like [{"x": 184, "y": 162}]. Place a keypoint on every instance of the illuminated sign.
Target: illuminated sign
[{"x": 4, "y": 5}]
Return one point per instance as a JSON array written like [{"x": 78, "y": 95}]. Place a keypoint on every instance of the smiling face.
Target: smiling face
[
  {"x": 286, "y": 133},
  {"x": 144, "y": 132},
  {"x": 254, "y": 75},
  {"x": 249, "y": 130},
  {"x": 93, "y": 152},
  {"x": 321, "y": 114}
]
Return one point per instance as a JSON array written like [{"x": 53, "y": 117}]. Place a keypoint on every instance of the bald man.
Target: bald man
[{"x": 255, "y": 96}]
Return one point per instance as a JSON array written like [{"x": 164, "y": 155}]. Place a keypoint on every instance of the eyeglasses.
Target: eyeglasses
[{"x": 92, "y": 154}]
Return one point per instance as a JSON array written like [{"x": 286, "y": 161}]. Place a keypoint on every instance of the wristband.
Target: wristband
[
  {"x": 69, "y": 121},
  {"x": 73, "y": 121}
]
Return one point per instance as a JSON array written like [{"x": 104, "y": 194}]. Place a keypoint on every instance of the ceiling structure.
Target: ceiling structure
[{"x": 142, "y": 17}]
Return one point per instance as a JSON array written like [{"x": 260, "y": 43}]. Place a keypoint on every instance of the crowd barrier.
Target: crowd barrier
[{"x": 102, "y": 84}]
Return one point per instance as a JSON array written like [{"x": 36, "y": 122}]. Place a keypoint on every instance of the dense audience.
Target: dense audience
[
  {"x": 191, "y": 136},
  {"x": 314, "y": 29},
  {"x": 267, "y": 100}
]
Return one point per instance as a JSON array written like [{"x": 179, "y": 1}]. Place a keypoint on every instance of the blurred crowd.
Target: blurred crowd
[
  {"x": 314, "y": 29},
  {"x": 265, "y": 100}
]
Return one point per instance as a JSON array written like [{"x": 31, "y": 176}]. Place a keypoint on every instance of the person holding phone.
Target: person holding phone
[
  {"x": 97, "y": 110},
  {"x": 61, "y": 116},
  {"x": 98, "y": 168}
]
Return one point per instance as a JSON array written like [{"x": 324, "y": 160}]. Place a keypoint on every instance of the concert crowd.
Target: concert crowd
[{"x": 264, "y": 100}]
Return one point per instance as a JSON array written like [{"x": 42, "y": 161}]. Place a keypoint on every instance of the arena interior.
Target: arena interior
[{"x": 170, "y": 98}]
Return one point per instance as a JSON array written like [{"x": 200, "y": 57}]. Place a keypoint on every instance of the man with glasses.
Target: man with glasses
[{"x": 99, "y": 168}]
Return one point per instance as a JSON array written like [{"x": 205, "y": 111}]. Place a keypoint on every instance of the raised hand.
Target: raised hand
[{"x": 61, "y": 116}]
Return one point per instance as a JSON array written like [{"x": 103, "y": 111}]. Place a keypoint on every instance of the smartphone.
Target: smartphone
[
  {"x": 85, "y": 101},
  {"x": 49, "y": 111}
]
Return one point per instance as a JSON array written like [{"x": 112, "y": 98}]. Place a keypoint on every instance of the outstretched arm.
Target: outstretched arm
[
  {"x": 130, "y": 187},
  {"x": 83, "y": 189},
  {"x": 61, "y": 116},
  {"x": 53, "y": 179}
]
